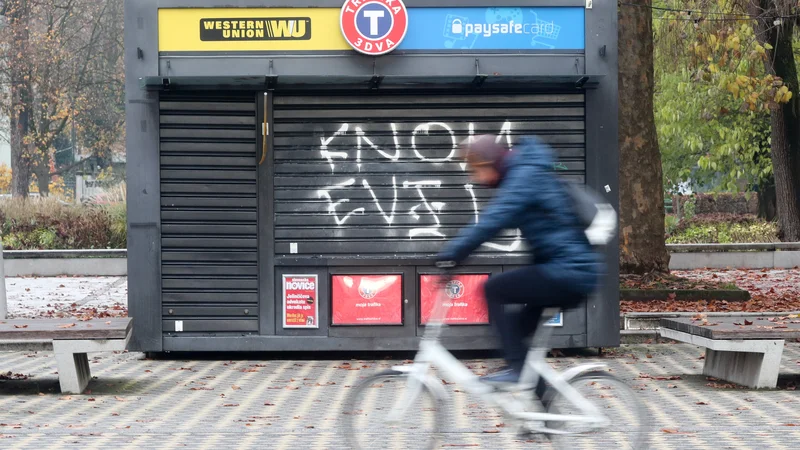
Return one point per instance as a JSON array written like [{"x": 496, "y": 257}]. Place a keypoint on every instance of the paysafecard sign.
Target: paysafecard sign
[{"x": 465, "y": 29}]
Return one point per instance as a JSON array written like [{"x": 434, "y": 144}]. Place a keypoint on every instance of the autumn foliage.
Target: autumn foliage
[{"x": 63, "y": 62}]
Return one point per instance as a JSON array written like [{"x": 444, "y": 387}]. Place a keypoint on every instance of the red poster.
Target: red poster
[
  {"x": 367, "y": 299},
  {"x": 464, "y": 298},
  {"x": 300, "y": 301}
]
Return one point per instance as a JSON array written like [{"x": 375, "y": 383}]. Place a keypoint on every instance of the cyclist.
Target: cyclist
[{"x": 530, "y": 196}]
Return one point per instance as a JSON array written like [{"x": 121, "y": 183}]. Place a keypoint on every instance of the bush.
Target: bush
[
  {"x": 49, "y": 224},
  {"x": 723, "y": 229},
  {"x": 726, "y": 203},
  {"x": 670, "y": 223}
]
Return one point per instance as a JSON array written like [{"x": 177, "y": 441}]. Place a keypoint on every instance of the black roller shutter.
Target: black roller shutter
[
  {"x": 208, "y": 213},
  {"x": 350, "y": 181}
]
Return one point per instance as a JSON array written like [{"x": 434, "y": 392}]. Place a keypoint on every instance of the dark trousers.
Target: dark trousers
[{"x": 531, "y": 287}]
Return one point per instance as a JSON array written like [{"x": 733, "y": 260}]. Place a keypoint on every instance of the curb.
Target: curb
[
  {"x": 644, "y": 295},
  {"x": 112, "y": 262},
  {"x": 651, "y": 321}
]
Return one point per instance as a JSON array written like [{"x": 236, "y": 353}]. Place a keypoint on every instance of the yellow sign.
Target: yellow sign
[{"x": 249, "y": 29}]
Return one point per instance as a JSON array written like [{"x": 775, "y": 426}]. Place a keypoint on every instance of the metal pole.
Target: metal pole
[{"x": 3, "y": 300}]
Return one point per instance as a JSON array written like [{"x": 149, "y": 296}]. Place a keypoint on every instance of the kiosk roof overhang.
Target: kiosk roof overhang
[{"x": 488, "y": 81}]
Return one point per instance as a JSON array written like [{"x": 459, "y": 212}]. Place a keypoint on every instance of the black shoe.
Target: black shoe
[{"x": 506, "y": 375}]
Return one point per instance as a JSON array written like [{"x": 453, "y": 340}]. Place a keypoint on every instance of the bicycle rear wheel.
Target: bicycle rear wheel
[
  {"x": 629, "y": 418},
  {"x": 368, "y": 421}
]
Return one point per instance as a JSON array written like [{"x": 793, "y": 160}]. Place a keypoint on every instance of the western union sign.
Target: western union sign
[
  {"x": 256, "y": 28},
  {"x": 249, "y": 29}
]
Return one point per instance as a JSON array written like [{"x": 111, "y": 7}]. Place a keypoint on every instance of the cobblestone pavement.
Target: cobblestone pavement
[{"x": 291, "y": 404}]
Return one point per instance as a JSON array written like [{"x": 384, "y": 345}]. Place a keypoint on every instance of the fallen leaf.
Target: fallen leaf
[
  {"x": 68, "y": 397},
  {"x": 742, "y": 408},
  {"x": 747, "y": 322},
  {"x": 235, "y": 387},
  {"x": 230, "y": 404},
  {"x": 69, "y": 325},
  {"x": 115, "y": 414},
  {"x": 701, "y": 403},
  {"x": 269, "y": 404},
  {"x": 20, "y": 326},
  {"x": 119, "y": 399},
  {"x": 491, "y": 431}
]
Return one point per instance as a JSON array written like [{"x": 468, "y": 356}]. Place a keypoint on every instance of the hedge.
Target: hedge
[{"x": 49, "y": 224}]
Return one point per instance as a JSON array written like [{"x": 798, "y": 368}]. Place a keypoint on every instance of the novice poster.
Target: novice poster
[{"x": 300, "y": 301}]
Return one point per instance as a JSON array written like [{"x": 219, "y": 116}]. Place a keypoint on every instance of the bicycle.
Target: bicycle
[{"x": 514, "y": 401}]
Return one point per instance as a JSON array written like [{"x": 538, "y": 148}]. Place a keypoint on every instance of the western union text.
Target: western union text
[{"x": 257, "y": 29}]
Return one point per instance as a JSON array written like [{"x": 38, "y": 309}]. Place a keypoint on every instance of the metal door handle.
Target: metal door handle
[{"x": 264, "y": 132}]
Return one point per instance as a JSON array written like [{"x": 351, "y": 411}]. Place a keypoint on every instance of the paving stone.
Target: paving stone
[{"x": 141, "y": 403}]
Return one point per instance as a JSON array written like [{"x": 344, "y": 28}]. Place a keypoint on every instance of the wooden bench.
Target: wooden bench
[
  {"x": 70, "y": 340},
  {"x": 742, "y": 350}
]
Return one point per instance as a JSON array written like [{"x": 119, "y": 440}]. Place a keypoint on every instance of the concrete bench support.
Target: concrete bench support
[
  {"x": 74, "y": 373},
  {"x": 752, "y": 363}
]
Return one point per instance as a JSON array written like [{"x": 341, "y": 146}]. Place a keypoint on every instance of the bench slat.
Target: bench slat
[
  {"x": 54, "y": 329},
  {"x": 727, "y": 328}
]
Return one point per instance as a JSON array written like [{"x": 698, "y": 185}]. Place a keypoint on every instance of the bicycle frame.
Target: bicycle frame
[{"x": 433, "y": 353}]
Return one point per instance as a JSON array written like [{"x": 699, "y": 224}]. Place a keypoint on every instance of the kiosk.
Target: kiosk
[{"x": 291, "y": 164}]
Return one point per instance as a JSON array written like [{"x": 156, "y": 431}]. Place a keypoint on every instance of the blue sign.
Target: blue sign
[
  {"x": 540, "y": 28},
  {"x": 556, "y": 321}
]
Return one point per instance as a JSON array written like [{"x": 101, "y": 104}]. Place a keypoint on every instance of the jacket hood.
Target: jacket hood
[{"x": 531, "y": 151}]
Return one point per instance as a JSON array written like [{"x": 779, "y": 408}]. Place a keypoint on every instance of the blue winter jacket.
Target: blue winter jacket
[{"x": 532, "y": 199}]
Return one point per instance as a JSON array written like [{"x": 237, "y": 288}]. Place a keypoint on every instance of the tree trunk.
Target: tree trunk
[
  {"x": 641, "y": 194},
  {"x": 21, "y": 91},
  {"x": 767, "y": 207},
  {"x": 42, "y": 172},
  {"x": 20, "y": 163},
  {"x": 785, "y": 133}
]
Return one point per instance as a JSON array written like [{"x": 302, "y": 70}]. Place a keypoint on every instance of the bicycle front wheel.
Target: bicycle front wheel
[
  {"x": 628, "y": 418},
  {"x": 392, "y": 410}
]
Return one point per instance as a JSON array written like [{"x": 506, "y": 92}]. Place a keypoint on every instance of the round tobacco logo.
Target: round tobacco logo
[
  {"x": 367, "y": 292},
  {"x": 455, "y": 289},
  {"x": 374, "y": 27}
]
